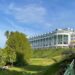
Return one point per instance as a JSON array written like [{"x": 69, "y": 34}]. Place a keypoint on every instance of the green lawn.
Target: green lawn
[{"x": 37, "y": 67}]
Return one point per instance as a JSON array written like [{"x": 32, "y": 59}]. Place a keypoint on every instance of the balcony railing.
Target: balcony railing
[{"x": 70, "y": 70}]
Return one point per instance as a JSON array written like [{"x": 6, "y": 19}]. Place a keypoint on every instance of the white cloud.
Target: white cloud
[
  {"x": 29, "y": 13},
  {"x": 32, "y": 14}
]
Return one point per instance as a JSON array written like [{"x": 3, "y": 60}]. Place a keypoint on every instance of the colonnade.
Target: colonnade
[{"x": 49, "y": 41}]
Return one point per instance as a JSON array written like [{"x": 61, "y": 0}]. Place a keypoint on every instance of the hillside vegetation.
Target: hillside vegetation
[
  {"x": 49, "y": 53},
  {"x": 49, "y": 65},
  {"x": 20, "y": 59}
]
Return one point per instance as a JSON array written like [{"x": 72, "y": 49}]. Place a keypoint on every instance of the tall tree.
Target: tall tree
[
  {"x": 17, "y": 42},
  {"x": 7, "y": 34}
]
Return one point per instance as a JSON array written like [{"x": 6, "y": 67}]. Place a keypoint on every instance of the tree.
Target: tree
[
  {"x": 2, "y": 57},
  {"x": 19, "y": 44},
  {"x": 10, "y": 55},
  {"x": 7, "y": 34}
]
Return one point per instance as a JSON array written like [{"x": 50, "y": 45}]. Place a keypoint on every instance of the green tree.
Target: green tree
[
  {"x": 7, "y": 34},
  {"x": 2, "y": 57},
  {"x": 18, "y": 43},
  {"x": 10, "y": 55}
]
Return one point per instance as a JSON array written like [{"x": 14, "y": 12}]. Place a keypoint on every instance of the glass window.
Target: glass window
[
  {"x": 54, "y": 39},
  {"x": 59, "y": 39},
  {"x": 65, "y": 39},
  {"x": 49, "y": 40}
]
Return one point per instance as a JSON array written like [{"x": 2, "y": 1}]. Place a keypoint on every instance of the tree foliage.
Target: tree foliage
[
  {"x": 19, "y": 44},
  {"x": 2, "y": 57},
  {"x": 7, "y": 34},
  {"x": 10, "y": 55}
]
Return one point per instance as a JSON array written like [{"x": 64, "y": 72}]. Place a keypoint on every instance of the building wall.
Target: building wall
[{"x": 58, "y": 38}]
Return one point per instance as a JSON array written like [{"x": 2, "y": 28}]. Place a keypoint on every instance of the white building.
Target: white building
[{"x": 58, "y": 38}]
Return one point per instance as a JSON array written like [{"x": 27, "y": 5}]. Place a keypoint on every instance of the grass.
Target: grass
[
  {"x": 44, "y": 62},
  {"x": 32, "y": 69},
  {"x": 53, "y": 69},
  {"x": 48, "y": 53},
  {"x": 37, "y": 67},
  {"x": 41, "y": 61}
]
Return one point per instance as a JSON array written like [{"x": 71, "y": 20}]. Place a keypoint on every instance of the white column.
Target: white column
[
  {"x": 62, "y": 39},
  {"x": 56, "y": 39}
]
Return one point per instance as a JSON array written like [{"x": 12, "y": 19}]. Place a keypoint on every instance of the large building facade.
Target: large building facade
[{"x": 58, "y": 38}]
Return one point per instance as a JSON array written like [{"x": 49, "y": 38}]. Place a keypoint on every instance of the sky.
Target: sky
[{"x": 34, "y": 17}]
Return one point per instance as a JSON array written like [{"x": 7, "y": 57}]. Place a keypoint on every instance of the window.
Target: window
[
  {"x": 54, "y": 39},
  {"x": 65, "y": 40},
  {"x": 59, "y": 39}
]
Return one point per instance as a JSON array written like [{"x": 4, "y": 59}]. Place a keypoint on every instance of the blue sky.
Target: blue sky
[{"x": 34, "y": 17}]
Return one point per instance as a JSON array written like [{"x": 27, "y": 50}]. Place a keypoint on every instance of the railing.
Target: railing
[{"x": 70, "y": 69}]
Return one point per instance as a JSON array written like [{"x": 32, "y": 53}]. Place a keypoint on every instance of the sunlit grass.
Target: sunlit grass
[
  {"x": 16, "y": 69},
  {"x": 20, "y": 69},
  {"x": 41, "y": 61},
  {"x": 45, "y": 61},
  {"x": 36, "y": 66}
]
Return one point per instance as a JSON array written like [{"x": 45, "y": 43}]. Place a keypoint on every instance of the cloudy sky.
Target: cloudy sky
[{"x": 34, "y": 17}]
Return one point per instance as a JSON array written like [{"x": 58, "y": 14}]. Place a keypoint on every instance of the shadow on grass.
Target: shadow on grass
[
  {"x": 58, "y": 68},
  {"x": 54, "y": 60},
  {"x": 41, "y": 70},
  {"x": 52, "y": 69},
  {"x": 35, "y": 68},
  {"x": 8, "y": 72}
]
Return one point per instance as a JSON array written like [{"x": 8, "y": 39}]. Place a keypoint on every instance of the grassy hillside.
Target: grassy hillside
[
  {"x": 53, "y": 69},
  {"x": 48, "y": 53},
  {"x": 44, "y": 62},
  {"x": 37, "y": 67}
]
